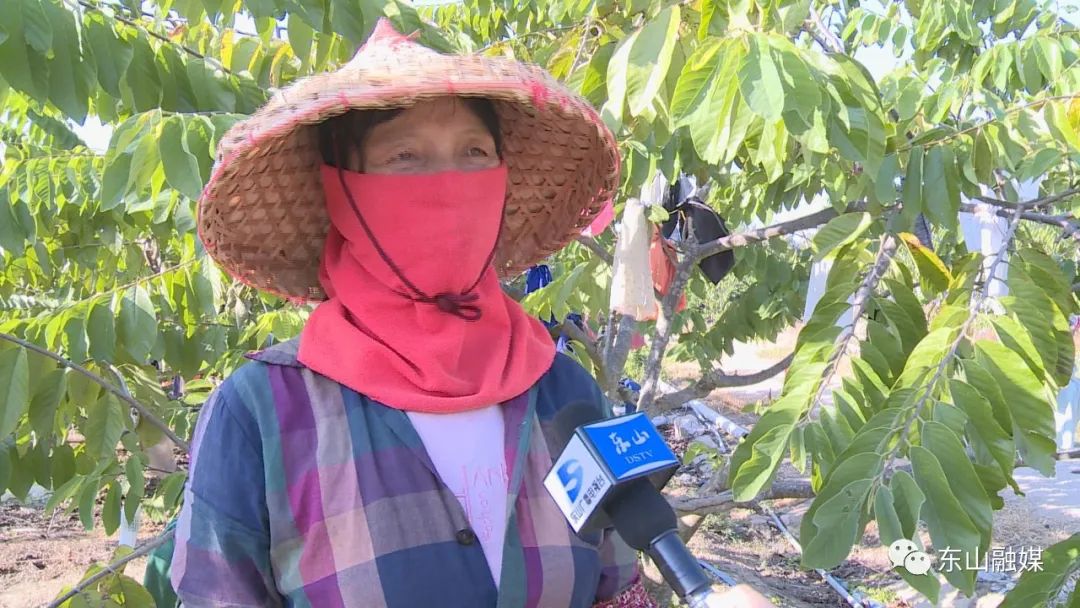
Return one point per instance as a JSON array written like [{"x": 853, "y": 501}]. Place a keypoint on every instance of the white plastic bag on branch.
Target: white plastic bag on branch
[{"x": 631, "y": 285}]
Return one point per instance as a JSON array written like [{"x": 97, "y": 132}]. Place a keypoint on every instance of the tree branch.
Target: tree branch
[
  {"x": 716, "y": 378},
  {"x": 725, "y": 500},
  {"x": 190, "y": 51},
  {"x": 1033, "y": 203},
  {"x": 885, "y": 254},
  {"x": 664, "y": 329},
  {"x": 704, "y": 250},
  {"x": 574, "y": 333},
  {"x": 596, "y": 248},
  {"x": 121, "y": 394},
  {"x": 976, "y": 302},
  {"x": 617, "y": 351},
  {"x": 114, "y": 567},
  {"x": 1064, "y": 221},
  {"x": 834, "y": 43},
  {"x": 1019, "y": 108}
]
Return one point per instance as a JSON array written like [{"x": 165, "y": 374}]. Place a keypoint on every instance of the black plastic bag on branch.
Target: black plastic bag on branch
[{"x": 689, "y": 213}]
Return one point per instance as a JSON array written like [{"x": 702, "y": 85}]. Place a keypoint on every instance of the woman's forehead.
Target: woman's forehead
[{"x": 443, "y": 112}]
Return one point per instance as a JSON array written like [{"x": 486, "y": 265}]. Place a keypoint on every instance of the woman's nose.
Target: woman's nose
[{"x": 448, "y": 162}]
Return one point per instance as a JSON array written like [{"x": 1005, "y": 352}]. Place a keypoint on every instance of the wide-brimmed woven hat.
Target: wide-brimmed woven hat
[{"x": 262, "y": 215}]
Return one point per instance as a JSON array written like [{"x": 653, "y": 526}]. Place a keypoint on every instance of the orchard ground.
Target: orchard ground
[{"x": 42, "y": 554}]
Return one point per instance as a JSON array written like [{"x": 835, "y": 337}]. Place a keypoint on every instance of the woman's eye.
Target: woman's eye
[
  {"x": 478, "y": 152},
  {"x": 403, "y": 156}
]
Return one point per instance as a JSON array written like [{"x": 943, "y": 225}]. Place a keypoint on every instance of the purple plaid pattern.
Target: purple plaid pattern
[{"x": 305, "y": 493}]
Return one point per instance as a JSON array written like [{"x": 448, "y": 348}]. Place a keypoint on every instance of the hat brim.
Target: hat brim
[{"x": 262, "y": 215}]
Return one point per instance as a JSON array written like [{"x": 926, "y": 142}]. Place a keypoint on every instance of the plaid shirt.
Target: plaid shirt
[{"x": 306, "y": 493}]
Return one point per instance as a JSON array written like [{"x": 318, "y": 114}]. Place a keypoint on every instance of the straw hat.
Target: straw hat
[{"x": 262, "y": 216}]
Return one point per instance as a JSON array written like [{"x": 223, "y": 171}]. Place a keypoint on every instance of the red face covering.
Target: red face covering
[{"x": 416, "y": 318}]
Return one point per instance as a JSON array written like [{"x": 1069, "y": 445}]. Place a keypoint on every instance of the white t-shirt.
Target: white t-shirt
[{"x": 467, "y": 449}]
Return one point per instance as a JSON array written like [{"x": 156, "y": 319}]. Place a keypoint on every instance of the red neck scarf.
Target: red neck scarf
[{"x": 416, "y": 318}]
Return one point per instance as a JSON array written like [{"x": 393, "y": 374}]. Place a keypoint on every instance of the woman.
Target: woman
[{"x": 393, "y": 455}]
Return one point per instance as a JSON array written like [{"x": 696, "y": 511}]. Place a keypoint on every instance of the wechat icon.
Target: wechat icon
[{"x": 905, "y": 554}]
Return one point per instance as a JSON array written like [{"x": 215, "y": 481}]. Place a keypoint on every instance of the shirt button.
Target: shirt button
[{"x": 466, "y": 536}]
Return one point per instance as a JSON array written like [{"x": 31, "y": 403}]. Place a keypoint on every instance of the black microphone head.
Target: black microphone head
[
  {"x": 640, "y": 513},
  {"x": 569, "y": 418}
]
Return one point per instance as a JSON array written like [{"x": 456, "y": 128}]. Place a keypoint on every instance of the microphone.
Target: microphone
[{"x": 609, "y": 473}]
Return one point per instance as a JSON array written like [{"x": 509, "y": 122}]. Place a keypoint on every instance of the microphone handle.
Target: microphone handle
[{"x": 680, "y": 569}]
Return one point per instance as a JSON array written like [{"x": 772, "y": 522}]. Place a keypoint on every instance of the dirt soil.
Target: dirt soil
[{"x": 40, "y": 556}]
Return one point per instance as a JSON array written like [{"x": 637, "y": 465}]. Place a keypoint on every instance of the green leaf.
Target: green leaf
[
  {"x": 137, "y": 330},
  {"x": 939, "y": 187},
  {"x": 110, "y": 512},
  {"x": 47, "y": 397},
  {"x": 133, "y": 469},
  {"x": 82, "y": 391},
  {"x": 932, "y": 270},
  {"x": 144, "y": 162},
  {"x": 63, "y": 493},
  {"x": 101, "y": 330},
  {"x": 88, "y": 492},
  {"x": 650, "y": 58},
  {"x": 171, "y": 488},
  {"x": 14, "y": 388},
  {"x": 927, "y": 356},
  {"x": 106, "y": 421},
  {"x": 1041, "y": 586},
  {"x": 697, "y": 79},
  {"x": 181, "y": 168},
  {"x": 840, "y": 515},
  {"x": 1048, "y": 55},
  {"x": 889, "y": 345},
  {"x": 617, "y": 72},
  {"x": 759, "y": 80},
  {"x": 198, "y": 137},
  {"x": 888, "y": 520},
  {"x": 141, "y": 79},
  {"x": 994, "y": 438},
  {"x": 719, "y": 124},
  {"x": 755, "y": 460},
  {"x": 37, "y": 28},
  {"x": 68, "y": 75},
  {"x": 908, "y": 502},
  {"x": 905, "y": 298},
  {"x": 114, "y": 182},
  {"x": 831, "y": 525},
  {"x": 885, "y": 182},
  {"x": 840, "y": 231},
  {"x": 1016, "y": 337},
  {"x": 949, "y": 524},
  {"x": 62, "y": 467},
  {"x": 300, "y": 36},
  {"x": 74, "y": 338},
  {"x": 1031, "y": 410},
  {"x": 111, "y": 55},
  {"x": 913, "y": 187},
  {"x": 952, "y": 455},
  {"x": 802, "y": 93},
  {"x": 36, "y": 460},
  {"x": 1061, "y": 128},
  {"x": 128, "y": 591}
]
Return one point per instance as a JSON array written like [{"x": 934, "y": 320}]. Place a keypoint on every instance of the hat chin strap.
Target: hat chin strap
[{"x": 458, "y": 304}]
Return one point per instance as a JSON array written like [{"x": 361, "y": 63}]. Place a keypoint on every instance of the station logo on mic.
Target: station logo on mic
[{"x": 605, "y": 454}]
